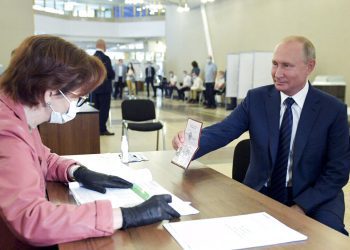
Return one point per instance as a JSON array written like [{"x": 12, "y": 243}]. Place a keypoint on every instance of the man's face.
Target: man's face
[
  {"x": 120, "y": 61},
  {"x": 289, "y": 67}
]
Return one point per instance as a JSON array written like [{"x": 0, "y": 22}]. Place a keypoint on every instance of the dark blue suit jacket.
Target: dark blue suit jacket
[
  {"x": 106, "y": 86},
  {"x": 320, "y": 160}
]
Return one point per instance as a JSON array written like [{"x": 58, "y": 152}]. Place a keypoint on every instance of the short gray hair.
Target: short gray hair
[{"x": 308, "y": 47}]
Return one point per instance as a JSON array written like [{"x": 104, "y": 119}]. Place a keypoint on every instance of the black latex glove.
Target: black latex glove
[
  {"x": 97, "y": 181},
  {"x": 153, "y": 210}
]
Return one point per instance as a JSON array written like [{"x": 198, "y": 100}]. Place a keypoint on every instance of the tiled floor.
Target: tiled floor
[{"x": 174, "y": 114}]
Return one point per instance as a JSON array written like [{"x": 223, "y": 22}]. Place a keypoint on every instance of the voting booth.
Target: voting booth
[{"x": 247, "y": 70}]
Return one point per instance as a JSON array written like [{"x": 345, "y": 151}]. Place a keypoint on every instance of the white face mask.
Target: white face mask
[{"x": 59, "y": 118}]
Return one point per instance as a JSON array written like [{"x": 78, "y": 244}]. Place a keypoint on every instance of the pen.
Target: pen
[{"x": 140, "y": 192}]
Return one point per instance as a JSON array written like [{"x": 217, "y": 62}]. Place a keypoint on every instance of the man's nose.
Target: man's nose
[{"x": 278, "y": 72}]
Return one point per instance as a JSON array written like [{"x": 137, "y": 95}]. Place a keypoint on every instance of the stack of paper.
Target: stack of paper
[
  {"x": 237, "y": 232},
  {"x": 144, "y": 187}
]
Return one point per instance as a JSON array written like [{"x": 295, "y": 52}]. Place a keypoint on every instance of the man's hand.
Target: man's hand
[
  {"x": 97, "y": 181},
  {"x": 178, "y": 140},
  {"x": 153, "y": 210},
  {"x": 298, "y": 209}
]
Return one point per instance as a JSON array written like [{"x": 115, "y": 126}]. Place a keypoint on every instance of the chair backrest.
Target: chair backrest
[
  {"x": 241, "y": 159},
  {"x": 138, "y": 110}
]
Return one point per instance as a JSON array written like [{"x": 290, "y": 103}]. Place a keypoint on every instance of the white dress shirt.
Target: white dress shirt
[{"x": 297, "y": 107}]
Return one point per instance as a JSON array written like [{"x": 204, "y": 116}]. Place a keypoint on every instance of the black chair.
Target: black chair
[
  {"x": 140, "y": 115},
  {"x": 241, "y": 159}
]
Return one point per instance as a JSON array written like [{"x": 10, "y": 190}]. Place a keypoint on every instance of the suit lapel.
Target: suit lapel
[
  {"x": 273, "y": 101},
  {"x": 307, "y": 120}
]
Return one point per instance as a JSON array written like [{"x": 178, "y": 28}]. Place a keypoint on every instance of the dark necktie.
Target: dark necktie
[{"x": 278, "y": 189}]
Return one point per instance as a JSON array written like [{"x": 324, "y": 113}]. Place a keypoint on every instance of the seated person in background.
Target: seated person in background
[
  {"x": 299, "y": 137},
  {"x": 183, "y": 86},
  {"x": 219, "y": 86},
  {"x": 163, "y": 82},
  {"x": 45, "y": 82},
  {"x": 171, "y": 85},
  {"x": 196, "y": 88}
]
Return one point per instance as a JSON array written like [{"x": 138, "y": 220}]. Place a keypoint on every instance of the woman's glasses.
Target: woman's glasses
[{"x": 82, "y": 100}]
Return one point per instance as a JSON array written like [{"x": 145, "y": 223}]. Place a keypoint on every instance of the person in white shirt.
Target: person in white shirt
[
  {"x": 196, "y": 88},
  {"x": 183, "y": 86},
  {"x": 171, "y": 85}
]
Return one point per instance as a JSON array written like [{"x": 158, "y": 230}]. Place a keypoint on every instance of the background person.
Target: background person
[
  {"x": 171, "y": 85},
  {"x": 195, "y": 68},
  {"x": 102, "y": 94},
  {"x": 45, "y": 82},
  {"x": 210, "y": 75},
  {"x": 183, "y": 86},
  {"x": 196, "y": 88},
  {"x": 150, "y": 72},
  {"x": 130, "y": 79},
  {"x": 120, "y": 79},
  {"x": 299, "y": 137}
]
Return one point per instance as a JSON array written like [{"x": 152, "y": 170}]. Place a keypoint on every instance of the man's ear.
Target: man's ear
[{"x": 311, "y": 65}]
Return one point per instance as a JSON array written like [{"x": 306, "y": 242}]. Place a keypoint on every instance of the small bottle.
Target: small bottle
[{"x": 125, "y": 149}]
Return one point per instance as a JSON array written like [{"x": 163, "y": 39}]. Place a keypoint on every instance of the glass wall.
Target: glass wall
[{"x": 99, "y": 9}]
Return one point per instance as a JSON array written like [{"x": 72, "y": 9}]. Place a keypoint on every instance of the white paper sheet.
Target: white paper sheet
[
  {"x": 236, "y": 232},
  {"x": 111, "y": 164}
]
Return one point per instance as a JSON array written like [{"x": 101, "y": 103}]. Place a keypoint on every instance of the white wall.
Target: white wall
[
  {"x": 16, "y": 23},
  {"x": 185, "y": 40}
]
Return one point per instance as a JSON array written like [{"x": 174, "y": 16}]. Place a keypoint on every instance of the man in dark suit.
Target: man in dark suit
[
  {"x": 120, "y": 79},
  {"x": 102, "y": 94},
  {"x": 317, "y": 161},
  {"x": 149, "y": 78}
]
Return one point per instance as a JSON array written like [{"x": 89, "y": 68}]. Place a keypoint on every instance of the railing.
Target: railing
[{"x": 101, "y": 9}]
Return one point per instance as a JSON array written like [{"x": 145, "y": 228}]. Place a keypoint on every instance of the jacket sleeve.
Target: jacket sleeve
[
  {"x": 109, "y": 68},
  {"x": 222, "y": 133},
  {"x": 25, "y": 209}
]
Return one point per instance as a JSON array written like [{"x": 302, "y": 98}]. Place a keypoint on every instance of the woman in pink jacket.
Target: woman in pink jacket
[{"x": 45, "y": 82}]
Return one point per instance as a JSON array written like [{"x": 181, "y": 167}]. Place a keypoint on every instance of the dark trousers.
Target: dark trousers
[
  {"x": 324, "y": 216},
  {"x": 209, "y": 94},
  {"x": 169, "y": 90},
  {"x": 181, "y": 92},
  {"x": 149, "y": 81},
  {"x": 118, "y": 88},
  {"x": 103, "y": 104}
]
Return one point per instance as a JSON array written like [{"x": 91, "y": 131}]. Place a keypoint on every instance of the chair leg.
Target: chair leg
[
  {"x": 163, "y": 139},
  {"x": 157, "y": 140}
]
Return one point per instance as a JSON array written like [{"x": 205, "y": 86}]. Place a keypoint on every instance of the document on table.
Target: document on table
[
  {"x": 185, "y": 154},
  {"x": 236, "y": 232},
  {"x": 144, "y": 187}
]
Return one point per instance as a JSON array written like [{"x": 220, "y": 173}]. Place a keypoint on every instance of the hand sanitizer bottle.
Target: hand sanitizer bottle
[{"x": 125, "y": 149}]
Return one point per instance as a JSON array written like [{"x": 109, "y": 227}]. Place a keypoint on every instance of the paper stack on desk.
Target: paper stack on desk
[
  {"x": 236, "y": 232},
  {"x": 144, "y": 187}
]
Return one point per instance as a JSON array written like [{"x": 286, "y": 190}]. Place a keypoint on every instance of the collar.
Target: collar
[
  {"x": 17, "y": 108},
  {"x": 98, "y": 49},
  {"x": 299, "y": 98}
]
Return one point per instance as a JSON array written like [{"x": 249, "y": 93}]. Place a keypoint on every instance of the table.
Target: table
[
  {"x": 79, "y": 136},
  {"x": 214, "y": 195}
]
